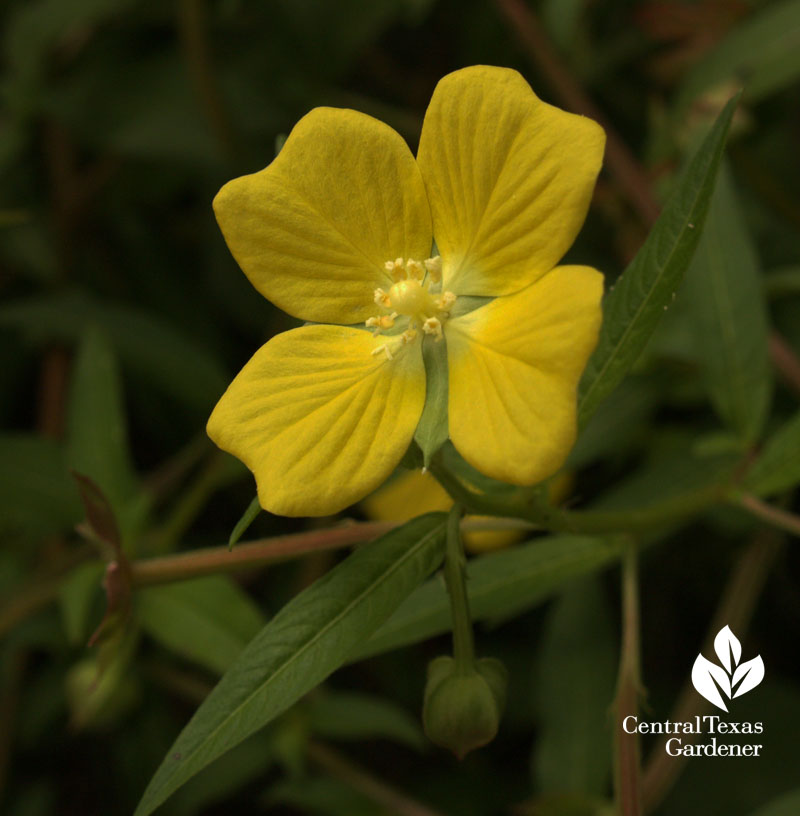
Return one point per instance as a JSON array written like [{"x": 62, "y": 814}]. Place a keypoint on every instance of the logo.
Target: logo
[{"x": 732, "y": 678}]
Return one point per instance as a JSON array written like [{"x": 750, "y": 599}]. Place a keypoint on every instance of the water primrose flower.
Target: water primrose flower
[{"x": 379, "y": 253}]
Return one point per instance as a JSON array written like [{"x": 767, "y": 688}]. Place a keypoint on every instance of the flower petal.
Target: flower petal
[
  {"x": 514, "y": 370},
  {"x": 509, "y": 179},
  {"x": 319, "y": 420},
  {"x": 313, "y": 230}
]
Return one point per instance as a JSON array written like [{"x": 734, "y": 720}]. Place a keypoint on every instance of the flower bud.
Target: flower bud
[{"x": 463, "y": 706}]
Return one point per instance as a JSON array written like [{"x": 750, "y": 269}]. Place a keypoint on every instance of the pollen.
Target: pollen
[
  {"x": 433, "y": 326},
  {"x": 434, "y": 267},
  {"x": 396, "y": 268}
]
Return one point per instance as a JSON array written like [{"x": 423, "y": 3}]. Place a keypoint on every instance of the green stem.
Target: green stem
[
  {"x": 455, "y": 564},
  {"x": 631, "y": 520},
  {"x": 627, "y": 755}
]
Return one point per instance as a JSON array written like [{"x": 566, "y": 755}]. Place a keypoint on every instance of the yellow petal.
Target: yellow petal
[
  {"x": 319, "y": 420},
  {"x": 509, "y": 179},
  {"x": 514, "y": 370},
  {"x": 313, "y": 230}
]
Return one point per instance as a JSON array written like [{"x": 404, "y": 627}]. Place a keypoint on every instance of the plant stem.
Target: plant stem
[
  {"x": 735, "y": 609},
  {"x": 387, "y": 797},
  {"x": 774, "y": 516},
  {"x": 211, "y": 560},
  {"x": 627, "y": 756},
  {"x": 455, "y": 564}
]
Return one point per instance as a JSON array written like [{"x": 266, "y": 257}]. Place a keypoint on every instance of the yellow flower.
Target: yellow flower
[{"x": 340, "y": 229}]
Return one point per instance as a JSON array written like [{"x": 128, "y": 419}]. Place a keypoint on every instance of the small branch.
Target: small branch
[
  {"x": 735, "y": 609},
  {"x": 785, "y": 360},
  {"x": 774, "y": 516},
  {"x": 624, "y": 167},
  {"x": 627, "y": 756},
  {"x": 361, "y": 780},
  {"x": 211, "y": 560}
]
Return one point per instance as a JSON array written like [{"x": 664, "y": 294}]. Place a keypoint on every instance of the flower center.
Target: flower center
[{"x": 411, "y": 297}]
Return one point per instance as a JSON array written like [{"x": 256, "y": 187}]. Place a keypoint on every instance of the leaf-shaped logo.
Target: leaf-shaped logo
[{"x": 735, "y": 679}]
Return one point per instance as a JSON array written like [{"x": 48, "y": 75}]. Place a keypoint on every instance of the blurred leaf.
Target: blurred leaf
[
  {"x": 37, "y": 496},
  {"x": 97, "y": 443},
  {"x": 206, "y": 620},
  {"x": 786, "y": 805},
  {"x": 634, "y": 306},
  {"x": 322, "y": 796},
  {"x": 778, "y": 466},
  {"x": 782, "y": 282},
  {"x": 617, "y": 423},
  {"x": 499, "y": 584},
  {"x": 729, "y": 317},
  {"x": 155, "y": 350},
  {"x": 577, "y": 673},
  {"x": 77, "y": 596},
  {"x": 561, "y": 17},
  {"x": 351, "y": 716},
  {"x": 762, "y": 54},
  {"x": 307, "y": 640}
]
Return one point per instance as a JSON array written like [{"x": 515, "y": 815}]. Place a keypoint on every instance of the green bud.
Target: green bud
[{"x": 463, "y": 706}]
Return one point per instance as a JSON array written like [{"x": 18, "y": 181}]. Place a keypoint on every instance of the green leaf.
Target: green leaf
[
  {"x": 575, "y": 689},
  {"x": 786, "y": 805},
  {"x": 637, "y": 301},
  {"x": 309, "y": 638},
  {"x": 728, "y": 313},
  {"x": 248, "y": 517},
  {"x": 353, "y": 716},
  {"x": 77, "y": 596},
  {"x": 778, "y": 467},
  {"x": 432, "y": 431},
  {"x": 206, "y": 620},
  {"x": 499, "y": 584},
  {"x": 37, "y": 495},
  {"x": 782, "y": 282},
  {"x": 760, "y": 54},
  {"x": 97, "y": 444}
]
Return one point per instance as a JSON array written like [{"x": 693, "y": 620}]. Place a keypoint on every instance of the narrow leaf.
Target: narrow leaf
[
  {"x": 750, "y": 674},
  {"x": 728, "y": 314},
  {"x": 309, "y": 638},
  {"x": 637, "y": 301},
  {"x": 253, "y": 509},
  {"x": 778, "y": 467},
  {"x": 499, "y": 584}
]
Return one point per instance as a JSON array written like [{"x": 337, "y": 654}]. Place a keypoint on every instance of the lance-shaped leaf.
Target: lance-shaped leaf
[
  {"x": 778, "y": 467},
  {"x": 750, "y": 673},
  {"x": 307, "y": 640},
  {"x": 725, "y": 645},
  {"x": 704, "y": 673},
  {"x": 637, "y": 302}
]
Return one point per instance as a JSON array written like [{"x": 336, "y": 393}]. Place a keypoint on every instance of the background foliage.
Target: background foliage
[{"x": 123, "y": 317}]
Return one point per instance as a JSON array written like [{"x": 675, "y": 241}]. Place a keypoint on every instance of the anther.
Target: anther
[
  {"x": 434, "y": 267},
  {"x": 382, "y": 299},
  {"x": 446, "y": 301},
  {"x": 396, "y": 268},
  {"x": 433, "y": 326},
  {"x": 414, "y": 269}
]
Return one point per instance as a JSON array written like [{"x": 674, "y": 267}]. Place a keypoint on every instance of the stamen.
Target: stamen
[
  {"x": 433, "y": 326},
  {"x": 414, "y": 269},
  {"x": 408, "y": 335},
  {"x": 396, "y": 268},
  {"x": 381, "y": 322},
  {"x": 434, "y": 267},
  {"x": 385, "y": 348},
  {"x": 446, "y": 301},
  {"x": 382, "y": 299}
]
